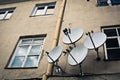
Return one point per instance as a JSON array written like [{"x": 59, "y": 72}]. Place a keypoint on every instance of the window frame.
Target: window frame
[
  {"x": 6, "y": 12},
  {"x": 45, "y": 5},
  {"x": 12, "y": 57},
  {"x": 117, "y": 37}
]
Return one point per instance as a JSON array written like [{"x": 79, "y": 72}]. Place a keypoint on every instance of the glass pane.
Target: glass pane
[
  {"x": 41, "y": 7},
  {"x": 2, "y": 14},
  {"x": 8, "y": 15},
  {"x": 32, "y": 61},
  {"x": 35, "y": 50},
  {"x": 115, "y": 2},
  {"x": 22, "y": 50},
  {"x": 51, "y": 7},
  {"x": 102, "y": 3},
  {"x": 38, "y": 41},
  {"x": 111, "y": 43},
  {"x": 29, "y": 41},
  {"x": 40, "y": 12},
  {"x": 11, "y": 11},
  {"x": 17, "y": 62},
  {"x": 110, "y": 32},
  {"x": 50, "y": 10},
  {"x": 113, "y": 54}
]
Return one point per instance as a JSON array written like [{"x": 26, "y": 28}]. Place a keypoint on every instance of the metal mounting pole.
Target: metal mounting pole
[
  {"x": 67, "y": 32},
  {"x": 71, "y": 40},
  {"x": 81, "y": 73},
  {"x": 50, "y": 57}
]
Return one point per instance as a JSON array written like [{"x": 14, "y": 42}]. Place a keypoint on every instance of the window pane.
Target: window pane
[
  {"x": 113, "y": 54},
  {"x": 32, "y": 61},
  {"x": 38, "y": 41},
  {"x": 110, "y": 32},
  {"x": 51, "y": 7},
  {"x": 17, "y": 62},
  {"x": 102, "y": 2},
  {"x": 40, "y": 8},
  {"x": 50, "y": 10},
  {"x": 115, "y": 2},
  {"x": 29, "y": 41},
  {"x": 35, "y": 50},
  {"x": 111, "y": 43},
  {"x": 39, "y": 12},
  {"x": 2, "y": 14},
  {"x": 22, "y": 50}
]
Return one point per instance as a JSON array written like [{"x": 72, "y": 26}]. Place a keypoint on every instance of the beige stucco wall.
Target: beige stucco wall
[
  {"x": 21, "y": 24},
  {"x": 78, "y": 13}
]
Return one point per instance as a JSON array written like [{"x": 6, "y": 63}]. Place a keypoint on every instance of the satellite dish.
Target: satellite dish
[
  {"x": 94, "y": 41},
  {"x": 98, "y": 39},
  {"x": 73, "y": 36},
  {"x": 78, "y": 53},
  {"x": 55, "y": 54}
]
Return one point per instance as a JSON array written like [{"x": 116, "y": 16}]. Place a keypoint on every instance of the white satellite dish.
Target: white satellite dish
[
  {"x": 98, "y": 39},
  {"x": 77, "y": 55},
  {"x": 55, "y": 54},
  {"x": 73, "y": 36},
  {"x": 94, "y": 41}
]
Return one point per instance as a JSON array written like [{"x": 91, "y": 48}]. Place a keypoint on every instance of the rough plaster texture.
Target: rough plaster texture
[{"x": 78, "y": 13}]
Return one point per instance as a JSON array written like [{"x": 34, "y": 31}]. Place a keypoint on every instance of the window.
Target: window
[
  {"x": 43, "y": 9},
  {"x": 6, "y": 13},
  {"x": 27, "y": 53},
  {"x": 112, "y": 45},
  {"x": 108, "y": 2}
]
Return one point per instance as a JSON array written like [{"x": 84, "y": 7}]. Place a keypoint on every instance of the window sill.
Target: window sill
[
  {"x": 41, "y": 15},
  {"x": 21, "y": 67}
]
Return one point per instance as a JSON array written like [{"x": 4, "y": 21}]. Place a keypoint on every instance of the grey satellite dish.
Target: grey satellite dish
[
  {"x": 55, "y": 54},
  {"x": 98, "y": 39},
  {"x": 72, "y": 36},
  {"x": 77, "y": 55}
]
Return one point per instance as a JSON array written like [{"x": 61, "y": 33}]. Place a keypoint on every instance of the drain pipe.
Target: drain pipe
[{"x": 56, "y": 38}]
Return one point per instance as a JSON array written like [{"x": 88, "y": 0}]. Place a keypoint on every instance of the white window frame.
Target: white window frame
[
  {"x": 6, "y": 13},
  {"x": 117, "y": 37},
  {"x": 28, "y": 50},
  {"x": 44, "y": 10}
]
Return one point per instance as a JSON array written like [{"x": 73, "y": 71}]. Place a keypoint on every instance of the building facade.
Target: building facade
[
  {"x": 27, "y": 30},
  {"x": 27, "y": 27}
]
